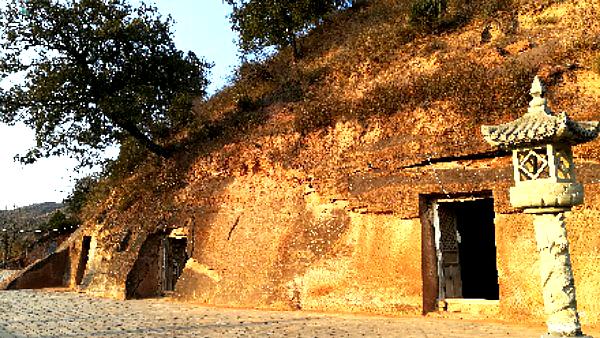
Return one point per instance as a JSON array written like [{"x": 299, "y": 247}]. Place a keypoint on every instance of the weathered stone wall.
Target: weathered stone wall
[
  {"x": 107, "y": 267},
  {"x": 50, "y": 271},
  {"x": 278, "y": 244},
  {"x": 518, "y": 262},
  {"x": 44, "y": 248},
  {"x": 271, "y": 239},
  {"x": 333, "y": 232},
  {"x": 518, "y": 276}
]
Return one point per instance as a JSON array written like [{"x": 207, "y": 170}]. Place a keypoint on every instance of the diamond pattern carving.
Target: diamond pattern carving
[{"x": 533, "y": 164}]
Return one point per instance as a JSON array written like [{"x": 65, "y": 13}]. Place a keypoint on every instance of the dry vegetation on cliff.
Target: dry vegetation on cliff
[
  {"x": 372, "y": 94},
  {"x": 369, "y": 79}
]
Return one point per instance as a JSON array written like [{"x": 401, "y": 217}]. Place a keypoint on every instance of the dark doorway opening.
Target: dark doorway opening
[
  {"x": 458, "y": 249},
  {"x": 477, "y": 248},
  {"x": 83, "y": 259},
  {"x": 175, "y": 256},
  {"x": 143, "y": 280},
  {"x": 159, "y": 265}
]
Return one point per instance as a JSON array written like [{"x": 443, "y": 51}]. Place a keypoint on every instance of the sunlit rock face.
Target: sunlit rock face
[
  {"x": 334, "y": 234},
  {"x": 339, "y": 220},
  {"x": 348, "y": 215}
]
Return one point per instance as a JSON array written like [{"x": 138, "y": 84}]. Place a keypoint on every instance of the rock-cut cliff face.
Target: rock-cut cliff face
[{"x": 320, "y": 185}]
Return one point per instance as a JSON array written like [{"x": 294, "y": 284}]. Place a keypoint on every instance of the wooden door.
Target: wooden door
[{"x": 450, "y": 279}]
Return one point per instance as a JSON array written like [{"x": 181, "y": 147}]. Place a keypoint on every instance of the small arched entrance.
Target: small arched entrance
[{"x": 159, "y": 264}]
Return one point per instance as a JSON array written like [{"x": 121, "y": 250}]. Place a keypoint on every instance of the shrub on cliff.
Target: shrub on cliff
[
  {"x": 279, "y": 23},
  {"x": 61, "y": 222},
  {"x": 80, "y": 194},
  {"x": 427, "y": 12}
]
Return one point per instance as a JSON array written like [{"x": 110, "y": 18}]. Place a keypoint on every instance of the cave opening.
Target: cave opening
[
  {"x": 83, "y": 259},
  {"x": 459, "y": 250},
  {"x": 159, "y": 265}
]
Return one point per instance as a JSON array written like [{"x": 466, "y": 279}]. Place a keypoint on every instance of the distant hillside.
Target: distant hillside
[{"x": 29, "y": 216}]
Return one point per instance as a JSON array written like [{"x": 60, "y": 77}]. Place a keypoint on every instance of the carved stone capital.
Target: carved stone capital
[{"x": 546, "y": 194}]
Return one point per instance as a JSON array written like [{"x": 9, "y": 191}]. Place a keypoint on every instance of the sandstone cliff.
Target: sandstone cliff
[{"x": 305, "y": 186}]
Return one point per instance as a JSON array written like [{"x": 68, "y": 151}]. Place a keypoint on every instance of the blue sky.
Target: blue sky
[{"x": 200, "y": 26}]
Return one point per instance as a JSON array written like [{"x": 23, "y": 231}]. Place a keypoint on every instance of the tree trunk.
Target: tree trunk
[
  {"x": 442, "y": 6},
  {"x": 124, "y": 123},
  {"x": 143, "y": 139},
  {"x": 295, "y": 51}
]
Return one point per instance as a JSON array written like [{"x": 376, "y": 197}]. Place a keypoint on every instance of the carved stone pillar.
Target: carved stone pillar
[
  {"x": 545, "y": 185},
  {"x": 556, "y": 275}
]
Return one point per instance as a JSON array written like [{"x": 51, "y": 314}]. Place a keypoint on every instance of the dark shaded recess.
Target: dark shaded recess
[
  {"x": 487, "y": 155},
  {"x": 176, "y": 257},
  {"x": 124, "y": 242},
  {"x": 83, "y": 259},
  {"x": 45, "y": 273},
  {"x": 159, "y": 264},
  {"x": 143, "y": 280},
  {"x": 477, "y": 249}
]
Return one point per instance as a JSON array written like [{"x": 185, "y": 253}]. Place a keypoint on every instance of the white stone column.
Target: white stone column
[
  {"x": 557, "y": 276},
  {"x": 545, "y": 186}
]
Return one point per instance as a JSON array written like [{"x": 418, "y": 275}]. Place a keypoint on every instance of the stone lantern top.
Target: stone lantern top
[{"x": 540, "y": 126}]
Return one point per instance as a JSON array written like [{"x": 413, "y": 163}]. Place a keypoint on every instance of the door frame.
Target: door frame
[{"x": 432, "y": 264}]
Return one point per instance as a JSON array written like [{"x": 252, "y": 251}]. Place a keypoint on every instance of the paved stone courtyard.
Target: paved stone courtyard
[{"x": 35, "y": 313}]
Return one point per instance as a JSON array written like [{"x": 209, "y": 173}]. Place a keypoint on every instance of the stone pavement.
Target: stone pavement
[
  {"x": 4, "y": 274},
  {"x": 38, "y": 313}
]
